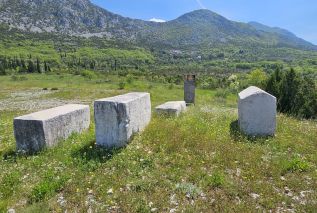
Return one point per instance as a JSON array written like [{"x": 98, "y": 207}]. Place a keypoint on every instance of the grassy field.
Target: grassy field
[{"x": 197, "y": 162}]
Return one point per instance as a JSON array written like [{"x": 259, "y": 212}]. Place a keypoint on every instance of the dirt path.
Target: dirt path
[{"x": 31, "y": 100}]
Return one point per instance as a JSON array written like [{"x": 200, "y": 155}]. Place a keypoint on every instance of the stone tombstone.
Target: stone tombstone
[
  {"x": 257, "y": 112},
  {"x": 39, "y": 130},
  {"x": 189, "y": 89},
  {"x": 118, "y": 118},
  {"x": 171, "y": 108}
]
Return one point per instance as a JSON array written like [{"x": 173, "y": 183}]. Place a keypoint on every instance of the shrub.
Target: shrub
[
  {"x": 222, "y": 93},
  {"x": 208, "y": 83},
  {"x": 121, "y": 85},
  {"x": 23, "y": 78},
  {"x": 216, "y": 180},
  {"x": 150, "y": 86},
  {"x": 296, "y": 164},
  {"x": 257, "y": 78},
  {"x": 14, "y": 78},
  {"x": 88, "y": 74},
  {"x": 130, "y": 79},
  {"x": 171, "y": 86}
]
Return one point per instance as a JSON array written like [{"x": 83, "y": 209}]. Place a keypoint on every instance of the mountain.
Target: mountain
[
  {"x": 74, "y": 17},
  {"x": 284, "y": 36},
  {"x": 197, "y": 29}
]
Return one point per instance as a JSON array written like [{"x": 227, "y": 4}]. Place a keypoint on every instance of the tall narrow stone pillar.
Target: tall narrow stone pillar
[{"x": 189, "y": 89}]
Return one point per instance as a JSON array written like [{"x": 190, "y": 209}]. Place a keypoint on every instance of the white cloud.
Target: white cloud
[
  {"x": 157, "y": 20},
  {"x": 201, "y": 4}
]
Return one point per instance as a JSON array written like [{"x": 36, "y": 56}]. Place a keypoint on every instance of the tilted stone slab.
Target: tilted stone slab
[
  {"x": 171, "y": 108},
  {"x": 118, "y": 118},
  {"x": 39, "y": 130},
  {"x": 257, "y": 112}
]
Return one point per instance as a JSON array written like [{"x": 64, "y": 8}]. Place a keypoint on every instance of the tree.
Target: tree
[
  {"x": 288, "y": 91},
  {"x": 31, "y": 67},
  {"x": 296, "y": 95},
  {"x": 274, "y": 82},
  {"x": 115, "y": 64},
  {"x": 38, "y": 66},
  {"x": 257, "y": 78},
  {"x": 45, "y": 66},
  {"x": 23, "y": 67},
  {"x": 306, "y": 100},
  {"x": 2, "y": 69}
]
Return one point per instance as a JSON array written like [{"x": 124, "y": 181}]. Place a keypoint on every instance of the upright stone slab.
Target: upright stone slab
[
  {"x": 189, "y": 89},
  {"x": 43, "y": 129},
  {"x": 171, "y": 108},
  {"x": 118, "y": 118},
  {"x": 257, "y": 112}
]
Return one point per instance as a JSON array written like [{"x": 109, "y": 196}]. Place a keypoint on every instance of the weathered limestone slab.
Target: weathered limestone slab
[
  {"x": 171, "y": 108},
  {"x": 118, "y": 118},
  {"x": 46, "y": 128},
  {"x": 257, "y": 112},
  {"x": 189, "y": 89}
]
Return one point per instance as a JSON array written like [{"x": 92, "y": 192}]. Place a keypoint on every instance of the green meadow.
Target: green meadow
[{"x": 198, "y": 162}]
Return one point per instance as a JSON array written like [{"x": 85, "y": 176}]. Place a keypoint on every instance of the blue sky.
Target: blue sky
[{"x": 298, "y": 16}]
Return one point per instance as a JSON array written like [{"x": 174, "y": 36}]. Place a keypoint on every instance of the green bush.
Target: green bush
[
  {"x": 208, "y": 83},
  {"x": 296, "y": 164},
  {"x": 216, "y": 180},
  {"x": 257, "y": 78},
  {"x": 222, "y": 93},
  {"x": 14, "y": 78},
  {"x": 130, "y": 78},
  {"x": 150, "y": 86},
  {"x": 121, "y": 85},
  {"x": 171, "y": 86},
  {"x": 88, "y": 74}
]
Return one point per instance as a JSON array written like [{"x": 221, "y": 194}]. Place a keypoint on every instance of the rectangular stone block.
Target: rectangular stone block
[
  {"x": 36, "y": 131},
  {"x": 189, "y": 89},
  {"x": 118, "y": 118},
  {"x": 171, "y": 108},
  {"x": 257, "y": 112}
]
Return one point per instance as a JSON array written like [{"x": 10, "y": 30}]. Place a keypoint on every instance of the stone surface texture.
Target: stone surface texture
[
  {"x": 118, "y": 118},
  {"x": 36, "y": 131},
  {"x": 189, "y": 89},
  {"x": 257, "y": 112},
  {"x": 171, "y": 108}
]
